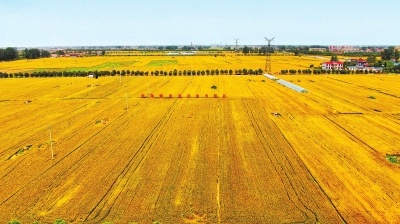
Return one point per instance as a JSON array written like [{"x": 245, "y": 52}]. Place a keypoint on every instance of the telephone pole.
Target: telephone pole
[{"x": 51, "y": 145}]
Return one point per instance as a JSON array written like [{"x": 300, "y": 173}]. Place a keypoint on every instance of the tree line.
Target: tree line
[
  {"x": 390, "y": 53},
  {"x": 11, "y": 54},
  {"x": 35, "y": 53},
  {"x": 8, "y": 54},
  {"x": 175, "y": 72}
]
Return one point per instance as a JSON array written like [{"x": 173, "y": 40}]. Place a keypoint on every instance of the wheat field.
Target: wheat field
[
  {"x": 165, "y": 63},
  {"x": 126, "y": 159}
]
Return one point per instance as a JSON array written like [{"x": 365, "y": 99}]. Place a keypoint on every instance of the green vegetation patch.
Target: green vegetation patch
[
  {"x": 104, "y": 66},
  {"x": 162, "y": 62},
  {"x": 395, "y": 159},
  {"x": 98, "y": 67},
  {"x": 60, "y": 221},
  {"x": 20, "y": 151}
]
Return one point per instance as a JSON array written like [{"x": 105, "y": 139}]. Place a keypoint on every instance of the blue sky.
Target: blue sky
[{"x": 37, "y": 23}]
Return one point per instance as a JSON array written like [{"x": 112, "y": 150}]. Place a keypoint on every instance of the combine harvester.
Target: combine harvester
[{"x": 287, "y": 84}]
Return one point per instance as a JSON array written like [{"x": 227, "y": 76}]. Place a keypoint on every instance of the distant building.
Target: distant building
[
  {"x": 361, "y": 64},
  {"x": 75, "y": 55},
  {"x": 343, "y": 49},
  {"x": 336, "y": 65},
  {"x": 317, "y": 49}
]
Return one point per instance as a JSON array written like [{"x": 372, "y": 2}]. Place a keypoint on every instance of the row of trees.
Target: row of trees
[
  {"x": 395, "y": 69},
  {"x": 189, "y": 72},
  {"x": 11, "y": 54},
  {"x": 133, "y": 73}
]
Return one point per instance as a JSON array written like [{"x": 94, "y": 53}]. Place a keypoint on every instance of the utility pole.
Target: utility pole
[
  {"x": 127, "y": 101},
  {"x": 51, "y": 144},
  {"x": 268, "y": 58}
]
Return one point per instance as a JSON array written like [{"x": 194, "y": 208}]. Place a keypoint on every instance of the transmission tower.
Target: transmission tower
[
  {"x": 236, "y": 49},
  {"x": 268, "y": 58}
]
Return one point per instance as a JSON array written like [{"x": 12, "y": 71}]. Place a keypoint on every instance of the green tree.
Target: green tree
[
  {"x": 8, "y": 54},
  {"x": 371, "y": 59},
  {"x": 33, "y": 53},
  {"x": 388, "y": 53},
  {"x": 246, "y": 50},
  {"x": 44, "y": 54},
  {"x": 334, "y": 58}
]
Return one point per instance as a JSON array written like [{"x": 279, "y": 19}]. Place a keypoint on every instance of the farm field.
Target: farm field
[
  {"x": 123, "y": 158},
  {"x": 153, "y": 63}
]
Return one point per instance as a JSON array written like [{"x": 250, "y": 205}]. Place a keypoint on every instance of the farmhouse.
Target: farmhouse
[
  {"x": 337, "y": 65},
  {"x": 360, "y": 62}
]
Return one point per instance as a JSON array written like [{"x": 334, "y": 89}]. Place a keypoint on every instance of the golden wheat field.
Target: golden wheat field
[
  {"x": 165, "y": 63},
  {"x": 262, "y": 154}
]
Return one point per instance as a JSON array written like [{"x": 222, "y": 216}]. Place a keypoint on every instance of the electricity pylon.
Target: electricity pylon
[{"x": 268, "y": 58}]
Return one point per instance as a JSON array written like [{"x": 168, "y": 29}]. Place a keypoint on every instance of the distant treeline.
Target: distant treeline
[
  {"x": 8, "y": 54},
  {"x": 35, "y": 53},
  {"x": 133, "y": 73},
  {"x": 11, "y": 54}
]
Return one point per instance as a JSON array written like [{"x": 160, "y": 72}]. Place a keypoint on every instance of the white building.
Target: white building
[{"x": 336, "y": 65}]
